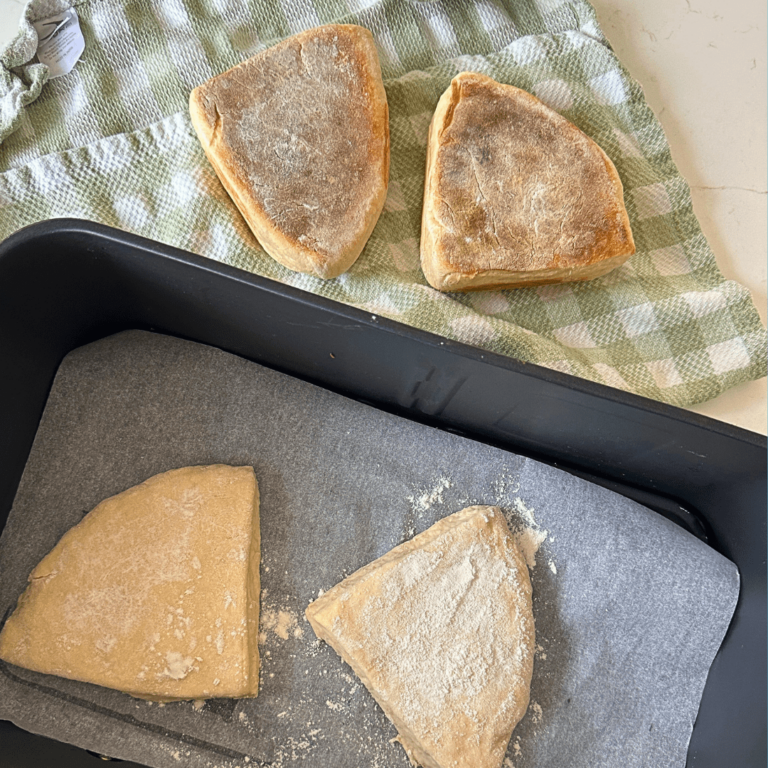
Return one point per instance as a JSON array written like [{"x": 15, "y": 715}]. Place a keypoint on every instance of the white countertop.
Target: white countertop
[{"x": 702, "y": 65}]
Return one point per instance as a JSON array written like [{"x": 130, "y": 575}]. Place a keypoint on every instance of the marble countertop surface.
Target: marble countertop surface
[{"x": 702, "y": 65}]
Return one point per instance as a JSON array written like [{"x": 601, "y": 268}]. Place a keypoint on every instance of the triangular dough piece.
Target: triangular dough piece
[
  {"x": 440, "y": 630},
  {"x": 299, "y": 136},
  {"x": 515, "y": 194},
  {"x": 155, "y": 592}
]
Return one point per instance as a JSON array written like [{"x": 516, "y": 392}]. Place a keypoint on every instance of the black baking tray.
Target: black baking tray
[{"x": 65, "y": 283}]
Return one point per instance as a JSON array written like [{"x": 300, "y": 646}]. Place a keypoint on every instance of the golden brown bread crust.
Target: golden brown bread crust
[
  {"x": 299, "y": 137},
  {"x": 515, "y": 194}
]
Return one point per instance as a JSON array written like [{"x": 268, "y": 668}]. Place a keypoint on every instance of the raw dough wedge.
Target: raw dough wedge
[
  {"x": 440, "y": 630},
  {"x": 515, "y": 194},
  {"x": 155, "y": 592},
  {"x": 299, "y": 137}
]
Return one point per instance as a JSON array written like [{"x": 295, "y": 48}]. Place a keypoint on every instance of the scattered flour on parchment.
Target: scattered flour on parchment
[
  {"x": 312, "y": 649},
  {"x": 506, "y": 484},
  {"x": 178, "y": 755},
  {"x": 279, "y": 622},
  {"x": 427, "y": 498},
  {"x": 295, "y": 748}
]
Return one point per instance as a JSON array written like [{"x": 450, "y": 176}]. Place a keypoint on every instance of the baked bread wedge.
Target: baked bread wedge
[
  {"x": 515, "y": 194},
  {"x": 154, "y": 593},
  {"x": 299, "y": 137},
  {"x": 440, "y": 630}
]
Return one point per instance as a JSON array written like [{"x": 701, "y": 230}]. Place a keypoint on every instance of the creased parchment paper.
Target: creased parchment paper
[{"x": 629, "y": 609}]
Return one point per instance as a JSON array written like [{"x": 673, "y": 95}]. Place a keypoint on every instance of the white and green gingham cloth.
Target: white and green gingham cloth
[{"x": 112, "y": 142}]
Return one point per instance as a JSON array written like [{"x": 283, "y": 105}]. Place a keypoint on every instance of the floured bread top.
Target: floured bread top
[
  {"x": 441, "y": 632},
  {"x": 299, "y": 135},
  {"x": 155, "y": 592},
  {"x": 512, "y": 187}
]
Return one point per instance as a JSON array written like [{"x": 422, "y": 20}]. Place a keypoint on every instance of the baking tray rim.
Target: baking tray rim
[{"x": 69, "y": 226}]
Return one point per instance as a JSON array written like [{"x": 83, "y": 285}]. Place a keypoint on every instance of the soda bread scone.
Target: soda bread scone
[
  {"x": 515, "y": 194},
  {"x": 440, "y": 630},
  {"x": 299, "y": 137},
  {"x": 154, "y": 593}
]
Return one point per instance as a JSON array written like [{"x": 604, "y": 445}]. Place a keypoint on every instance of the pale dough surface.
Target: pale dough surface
[
  {"x": 299, "y": 137},
  {"x": 515, "y": 194},
  {"x": 155, "y": 592},
  {"x": 440, "y": 630}
]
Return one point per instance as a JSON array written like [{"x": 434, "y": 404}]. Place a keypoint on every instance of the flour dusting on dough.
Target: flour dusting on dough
[
  {"x": 178, "y": 665},
  {"x": 529, "y": 541},
  {"x": 525, "y": 512},
  {"x": 527, "y": 532}
]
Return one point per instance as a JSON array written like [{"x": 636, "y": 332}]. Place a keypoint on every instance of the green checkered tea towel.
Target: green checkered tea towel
[{"x": 111, "y": 141}]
